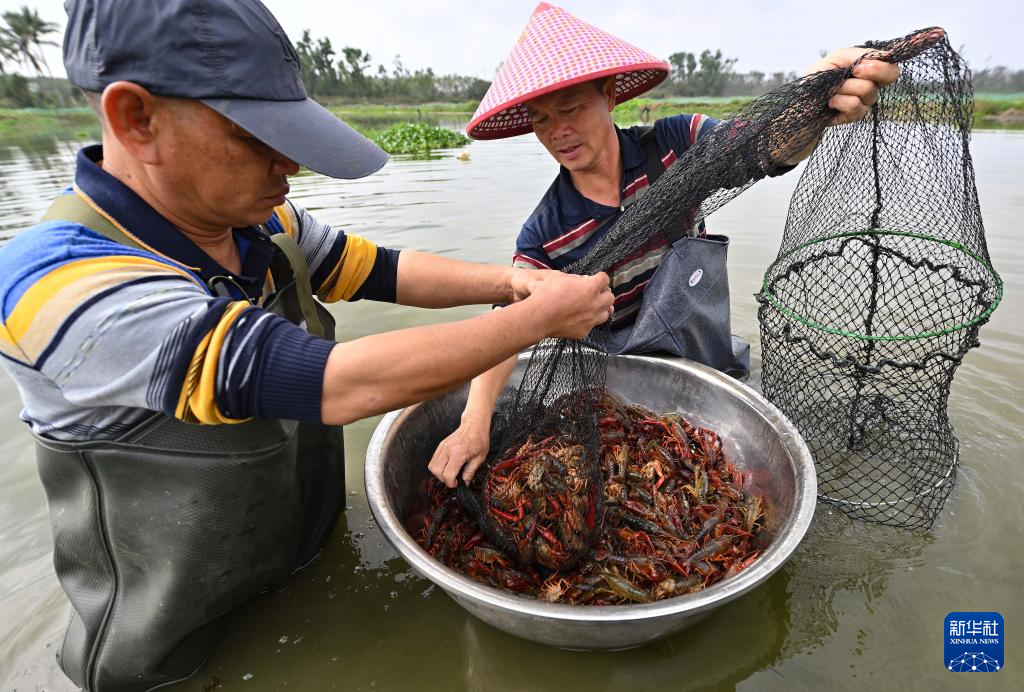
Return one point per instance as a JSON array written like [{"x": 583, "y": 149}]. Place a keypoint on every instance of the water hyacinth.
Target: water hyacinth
[{"x": 418, "y": 139}]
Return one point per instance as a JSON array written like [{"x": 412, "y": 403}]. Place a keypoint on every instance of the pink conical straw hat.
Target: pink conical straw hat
[{"x": 557, "y": 50}]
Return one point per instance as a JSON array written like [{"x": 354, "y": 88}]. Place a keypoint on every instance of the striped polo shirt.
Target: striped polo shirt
[
  {"x": 565, "y": 226},
  {"x": 98, "y": 335}
]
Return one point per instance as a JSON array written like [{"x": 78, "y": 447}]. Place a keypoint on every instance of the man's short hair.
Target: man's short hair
[{"x": 95, "y": 101}]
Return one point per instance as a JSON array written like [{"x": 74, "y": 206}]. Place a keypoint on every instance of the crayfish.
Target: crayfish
[{"x": 657, "y": 512}]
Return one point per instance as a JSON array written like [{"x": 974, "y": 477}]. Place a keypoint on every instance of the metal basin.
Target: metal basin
[{"x": 756, "y": 437}]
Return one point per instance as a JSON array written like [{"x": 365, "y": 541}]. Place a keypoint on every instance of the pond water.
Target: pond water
[{"x": 857, "y": 605}]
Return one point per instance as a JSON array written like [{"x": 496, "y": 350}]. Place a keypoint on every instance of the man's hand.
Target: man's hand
[
  {"x": 854, "y": 98},
  {"x": 857, "y": 94},
  {"x": 567, "y": 306},
  {"x": 572, "y": 305},
  {"x": 382, "y": 372},
  {"x": 467, "y": 446},
  {"x": 522, "y": 282}
]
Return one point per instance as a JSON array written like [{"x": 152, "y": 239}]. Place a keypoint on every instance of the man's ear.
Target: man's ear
[
  {"x": 129, "y": 110},
  {"x": 609, "y": 92}
]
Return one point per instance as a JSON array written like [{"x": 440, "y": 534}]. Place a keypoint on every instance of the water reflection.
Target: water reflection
[
  {"x": 47, "y": 147},
  {"x": 702, "y": 657},
  {"x": 32, "y": 171},
  {"x": 347, "y": 622},
  {"x": 838, "y": 558},
  {"x": 343, "y": 619}
]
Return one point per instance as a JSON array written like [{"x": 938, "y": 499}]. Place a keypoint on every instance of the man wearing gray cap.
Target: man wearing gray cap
[{"x": 183, "y": 386}]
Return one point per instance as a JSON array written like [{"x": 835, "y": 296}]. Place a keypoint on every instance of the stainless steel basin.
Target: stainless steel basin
[{"x": 756, "y": 437}]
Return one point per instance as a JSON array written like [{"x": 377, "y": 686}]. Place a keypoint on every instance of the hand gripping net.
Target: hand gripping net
[{"x": 879, "y": 289}]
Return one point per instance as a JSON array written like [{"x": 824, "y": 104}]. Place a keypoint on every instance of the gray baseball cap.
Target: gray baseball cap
[{"x": 230, "y": 54}]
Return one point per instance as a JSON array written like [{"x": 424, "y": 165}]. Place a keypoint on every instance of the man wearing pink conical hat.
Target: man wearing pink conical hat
[{"x": 561, "y": 81}]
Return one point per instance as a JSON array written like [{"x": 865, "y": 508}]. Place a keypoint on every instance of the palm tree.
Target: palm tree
[
  {"x": 24, "y": 34},
  {"x": 8, "y": 51}
]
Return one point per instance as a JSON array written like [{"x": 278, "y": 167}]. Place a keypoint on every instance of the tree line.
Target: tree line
[
  {"x": 999, "y": 79},
  {"x": 23, "y": 33},
  {"x": 349, "y": 74},
  {"x": 712, "y": 74}
]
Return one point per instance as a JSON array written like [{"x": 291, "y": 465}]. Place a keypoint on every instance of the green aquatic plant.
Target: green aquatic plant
[{"x": 417, "y": 139}]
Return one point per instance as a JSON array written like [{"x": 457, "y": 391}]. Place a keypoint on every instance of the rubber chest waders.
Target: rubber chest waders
[{"x": 160, "y": 533}]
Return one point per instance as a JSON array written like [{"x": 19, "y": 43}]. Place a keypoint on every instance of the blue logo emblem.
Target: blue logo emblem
[{"x": 974, "y": 642}]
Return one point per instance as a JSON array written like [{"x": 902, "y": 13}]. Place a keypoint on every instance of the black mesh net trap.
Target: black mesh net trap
[
  {"x": 880, "y": 286},
  {"x": 540, "y": 501},
  {"x": 895, "y": 191}
]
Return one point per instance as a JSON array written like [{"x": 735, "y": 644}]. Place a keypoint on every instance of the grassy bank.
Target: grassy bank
[
  {"x": 999, "y": 111},
  {"x": 649, "y": 110},
  {"x": 398, "y": 110},
  {"x": 991, "y": 111},
  {"x": 34, "y": 123},
  {"x": 1004, "y": 111}
]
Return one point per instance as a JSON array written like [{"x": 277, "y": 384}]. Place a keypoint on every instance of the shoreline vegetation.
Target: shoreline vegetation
[
  {"x": 992, "y": 111},
  {"x": 38, "y": 109}
]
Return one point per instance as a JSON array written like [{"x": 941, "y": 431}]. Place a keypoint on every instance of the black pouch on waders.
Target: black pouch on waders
[
  {"x": 685, "y": 308},
  {"x": 161, "y": 533}
]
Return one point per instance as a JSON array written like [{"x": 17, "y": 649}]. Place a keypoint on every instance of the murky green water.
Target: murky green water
[{"x": 856, "y": 607}]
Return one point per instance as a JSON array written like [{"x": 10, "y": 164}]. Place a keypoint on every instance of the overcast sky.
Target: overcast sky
[{"x": 459, "y": 36}]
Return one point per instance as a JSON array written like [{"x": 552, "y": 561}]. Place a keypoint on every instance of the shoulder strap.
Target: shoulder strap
[
  {"x": 76, "y": 210},
  {"x": 303, "y": 290},
  {"x": 652, "y": 158},
  {"x": 654, "y": 168}
]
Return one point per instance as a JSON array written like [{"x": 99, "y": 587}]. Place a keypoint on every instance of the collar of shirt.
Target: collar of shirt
[
  {"x": 575, "y": 208},
  {"x": 132, "y": 212}
]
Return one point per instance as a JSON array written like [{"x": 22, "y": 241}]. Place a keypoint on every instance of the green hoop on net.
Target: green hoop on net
[{"x": 792, "y": 314}]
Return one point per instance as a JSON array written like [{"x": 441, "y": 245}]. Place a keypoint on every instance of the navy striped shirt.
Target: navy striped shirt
[{"x": 565, "y": 226}]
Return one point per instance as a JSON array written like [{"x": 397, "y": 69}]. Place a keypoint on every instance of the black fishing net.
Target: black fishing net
[
  {"x": 541, "y": 499},
  {"x": 884, "y": 240},
  {"x": 881, "y": 284}
]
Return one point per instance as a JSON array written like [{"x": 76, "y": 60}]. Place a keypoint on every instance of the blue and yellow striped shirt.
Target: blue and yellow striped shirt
[{"x": 98, "y": 335}]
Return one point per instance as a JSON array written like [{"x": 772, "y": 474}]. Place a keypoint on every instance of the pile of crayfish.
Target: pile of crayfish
[
  {"x": 542, "y": 504},
  {"x": 673, "y": 518}
]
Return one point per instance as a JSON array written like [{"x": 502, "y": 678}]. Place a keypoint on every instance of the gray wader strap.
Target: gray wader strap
[
  {"x": 652, "y": 160},
  {"x": 303, "y": 290},
  {"x": 75, "y": 209}
]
